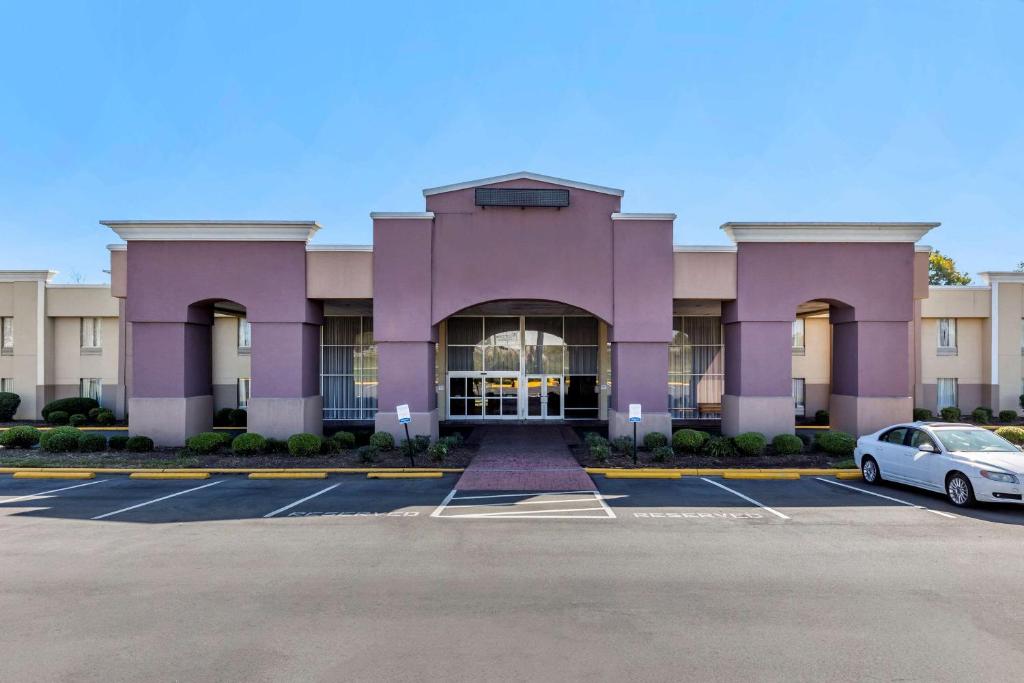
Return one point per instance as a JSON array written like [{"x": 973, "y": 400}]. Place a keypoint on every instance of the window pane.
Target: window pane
[
  {"x": 501, "y": 331},
  {"x": 465, "y": 358},
  {"x": 798, "y": 333},
  {"x": 581, "y": 331},
  {"x": 544, "y": 331},
  {"x": 581, "y": 360},
  {"x": 501, "y": 358},
  {"x": 466, "y": 331},
  {"x": 341, "y": 329},
  {"x": 703, "y": 329}
]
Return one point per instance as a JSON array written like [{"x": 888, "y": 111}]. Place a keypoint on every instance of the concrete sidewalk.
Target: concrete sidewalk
[{"x": 524, "y": 458}]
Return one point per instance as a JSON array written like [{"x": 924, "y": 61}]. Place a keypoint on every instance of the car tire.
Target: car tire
[
  {"x": 870, "y": 471},
  {"x": 959, "y": 490}
]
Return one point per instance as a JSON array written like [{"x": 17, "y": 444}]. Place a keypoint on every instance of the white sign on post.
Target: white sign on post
[
  {"x": 634, "y": 412},
  {"x": 404, "y": 417}
]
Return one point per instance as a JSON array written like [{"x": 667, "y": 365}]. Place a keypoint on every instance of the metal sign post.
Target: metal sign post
[
  {"x": 634, "y": 417},
  {"x": 404, "y": 418}
]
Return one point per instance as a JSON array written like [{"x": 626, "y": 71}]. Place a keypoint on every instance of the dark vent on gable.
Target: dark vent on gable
[{"x": 500, "y": 196}]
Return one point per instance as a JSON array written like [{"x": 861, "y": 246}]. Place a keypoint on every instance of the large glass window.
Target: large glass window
[
  {"x": 799, "y": 329},
  {"x": 696, "y": 368},
  {"x": 348, "y": 368},
  {"x": 244, "y": 391},
  {"x": 244, "y": 334},
  {"x": 7, "y": 384},
  {"x": 947, "y": 392},
  {"x": 90, "y": 387},
  {"x": 91, "y": 333},
  {"x": 947, "y": 334}
]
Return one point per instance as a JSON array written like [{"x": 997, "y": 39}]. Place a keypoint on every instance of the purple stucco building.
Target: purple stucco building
[{"x": 520, "y": 297}]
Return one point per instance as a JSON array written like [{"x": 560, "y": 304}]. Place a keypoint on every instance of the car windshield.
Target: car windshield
[{"x": 976, "y": 440}]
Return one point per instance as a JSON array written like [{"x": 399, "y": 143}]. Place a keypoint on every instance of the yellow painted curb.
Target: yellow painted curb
[
  {"x": 288, "y": 475},
  {"x": 632, "y": 474},
  {"x": 404, "y": 475},
  {"x": 849, "y": 475},
  {"x": 761, "y": 475},
  {"x": 53, "y": 475},
  {"x": 169, "y": 475}
]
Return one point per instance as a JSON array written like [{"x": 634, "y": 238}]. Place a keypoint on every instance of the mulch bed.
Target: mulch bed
[{"x": 764, "y": 461}]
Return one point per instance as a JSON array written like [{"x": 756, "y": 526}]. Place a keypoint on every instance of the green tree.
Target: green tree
[
  {"x": 942, "y": 271},
  {"x": 1020, "y": 267}
]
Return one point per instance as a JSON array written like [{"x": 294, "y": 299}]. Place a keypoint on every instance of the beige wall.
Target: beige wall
[
  {"x": 24, "y": 302},
  {"x": 705, "y": 275},
  {"x": 228, "y": 363},
  {"x": 339, "y": 274},
  {"x": 968, "y": 365},
  {"x": 69, "y": 363},
  {"x": 119, "y": 272},
  {"x": 1010, "y": 367},
  {"x": 815, "y": 365}
]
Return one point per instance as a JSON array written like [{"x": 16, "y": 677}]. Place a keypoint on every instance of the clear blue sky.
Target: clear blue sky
[{"x": 820, "y": 110}]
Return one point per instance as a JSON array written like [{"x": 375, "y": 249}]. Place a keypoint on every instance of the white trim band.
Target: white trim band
[
  {"x": 643, "y": 216},
  {"x": 704, "y": 248},
  {"x": 399, "y": 215},
  {"x": 27, "y": 275},
  {"x": 992, "y": 276},
  {"x": 826, "y": 232},
  {"x": 339, "y": 247},
  {"x": 522, "y": 175},
  {"x": 213, "y": 231}
]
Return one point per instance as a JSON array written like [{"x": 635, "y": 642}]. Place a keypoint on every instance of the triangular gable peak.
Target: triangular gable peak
[{"x": 522, "y": 175}]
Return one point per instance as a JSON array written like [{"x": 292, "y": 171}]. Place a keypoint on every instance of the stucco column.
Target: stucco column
[
  {"x": 406, "y": 375},
  {"x": 172, "y": 394},
  {"x": 758, "y": 383},
  {"x": 286, "y": 396},
  {"x": 639, "y": 375},
  {"x": 870, "y": 375}
]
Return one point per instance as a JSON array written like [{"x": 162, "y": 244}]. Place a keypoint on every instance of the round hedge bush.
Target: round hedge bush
[
  {"x": 654, "y": 440},
  {"x": 118, "y": 442},
  {"x": 278, "y": 446},
  {"x": 923, "y": 415},
  {"x": 382, "y": 441},
  {"x": 367, "y": 454},
  {"x": 662, "y": 453},
  {"x": 689, "y": 440},
  {"x": 720, "y": 447},
  {"x": 329, "y": 446},
  {"x": 60, "y": 440},
  {"x": 248, "y": 444},
  {"x": 58, "y": 417},
  {"x": 139, "y": 444},
  {"x": 20, "y": 437},
  {"x": 238, "y": 417},
  {"x": 345, "y": 440},
  {"x": 821, "y": 417},
  {"x": 8, "y": 405},
  {"x": 623, "y": 444},
  {"x": 93, "y": 412},
  {"x": 222, "y": 418},
  {"x": 836, "y": 443},
  {"x": 1014, "y": 435},
  {"x": 304, "y": 444},
  {"x": 600, "y": 451},
  {"x": 981, "y": 415},
  {"x": 438, "y": 451},
  {"x": 787, "y": 444},
  {"x": 750, "y": 443},
  {"x": 75, "y": 405},
  {"x": 1007, "y": 415},
  {"x": 90, "y": 442},
  {"x": 950, "y": 414},
  {"x": 78, "y": 420},
  {"x": 205, "y": 443},
  {"x": 105, "y": 417}
]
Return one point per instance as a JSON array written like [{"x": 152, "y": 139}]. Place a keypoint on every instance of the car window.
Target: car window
[
  {"x": 895, "y": 436},
  {"x": 968, "y": 440},
  {"x": 918, "y": 437}
]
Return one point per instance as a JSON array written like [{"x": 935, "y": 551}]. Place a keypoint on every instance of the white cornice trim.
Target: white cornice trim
[
  {"x": 991, "y": 276},
  {"x": 704, "y": 248},
  {"x": 27, "y": 275},
  {"x": 643, "y": 216},
  {"x": 923, "y": 249},
  {"x": 117, "y": 247},
  {"x": 522, "y": 175},
  {"x": 75, "y": 285},
  {"x": 210, "y": 231},
  {"x": 956, "y": 288},
  {"x": 827, "y": 232},
  {"x": 401, "y": 215},
  {"x": 339, "y": 247}
]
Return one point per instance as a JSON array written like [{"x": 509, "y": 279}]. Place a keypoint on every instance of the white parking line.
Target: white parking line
[
  {"x": 440, "y": 508},
  {"x": 156, "y": 500},
  {"x": 746, "y": 498},
  {"x": 548, "y": 514},
  {"x": 496, "y": 500},
  {"x": 289, "y": 506},
  {"x": 45, "y": 493},
  {"x": 522, "y": 502},
  {"x": 895, "y": 500},
  {"x": 524, "y": 494}
]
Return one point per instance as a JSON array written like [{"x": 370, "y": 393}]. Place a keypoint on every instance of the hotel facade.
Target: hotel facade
[{"x": 515, "y": 298}]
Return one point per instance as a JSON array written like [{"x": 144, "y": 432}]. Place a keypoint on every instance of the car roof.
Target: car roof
[{"x": 934, "y": 425}]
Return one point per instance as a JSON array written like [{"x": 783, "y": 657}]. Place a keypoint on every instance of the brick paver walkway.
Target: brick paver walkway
[{"x": 524, "y": 458}]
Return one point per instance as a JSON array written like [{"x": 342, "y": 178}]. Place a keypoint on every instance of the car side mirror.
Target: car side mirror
[{"x": 927, "y": 448}]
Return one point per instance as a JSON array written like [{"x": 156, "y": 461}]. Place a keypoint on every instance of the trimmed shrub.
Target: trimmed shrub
[
  {"x": 456, "y": 439},
  {"x": 20, "y": 437},
  {"x": 77, "y": 420},
  {"x": 8, "y": 405},
  {"x": 139, "y": 444},
  {"x": 205, "y": 443},
  {"x": 72, "y": 406},
  {"x": 950, "y": 414},
  {"x": 821, "y": 417},
  {"x": 600, "y": 452},
  {"x": 1007, "y": 415},
  {"x": 420, "y": 443},
  {"x": 118, "y": 442},
  {"x": 452, "y": 441},
  {"x": 623, "y": 444},
  {"x": 438, "y": 451},
  {"x": 105, "y": 417},
  {"x": 90, "y": 442},
  {"x": 345, "y": 440},
  {"x": 597, "y": 441},
  {"x": 367, "y": 454},
  {"x": 248, "y": 444},
  {"x": 654, "y": 440},
  {"x": 238, "y": 418},
  {"x": 329, "y": 446},
  {"x": 58, "y": 417},
  {"x": 837, "y": 443},
  {"x": 923, "y": 415},
  {"x": 689, "y": 440},
  {"x": 982, "y": 415},
  {"x": 592, "y": 437},
  {"x": 720, "y": 447},
  {"x": 304, "y": 444},
  {"x": 787, "y": 444},
  {"x": 1014, "y": 435},
  {"x": 93, "y": 413},
  {"x": 382, "y": 441},
  {"x": 222, "y": 418},
  {"x": 662, "y": 453},
  {"x": 750, "y": 443},
  {"x": 60, "y": 440},
  {"x": 276, "y": 445}
]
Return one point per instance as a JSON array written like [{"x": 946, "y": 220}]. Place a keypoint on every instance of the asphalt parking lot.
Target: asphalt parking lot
[{"x": 356, "y": 579}]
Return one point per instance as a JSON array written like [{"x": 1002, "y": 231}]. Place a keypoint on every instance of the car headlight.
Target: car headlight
[{"x": 999, "y": 476}]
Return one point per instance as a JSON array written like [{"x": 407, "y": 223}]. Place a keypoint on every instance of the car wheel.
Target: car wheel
[
  {"x": 869, "y": 469},
  {"x": 959, "y": 490}
]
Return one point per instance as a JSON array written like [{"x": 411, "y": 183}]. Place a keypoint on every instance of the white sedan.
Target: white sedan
[{"x": 965, "y": 462}]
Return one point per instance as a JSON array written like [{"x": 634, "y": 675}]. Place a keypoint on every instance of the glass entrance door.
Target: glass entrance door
[{"x": 543, "y": 397}]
